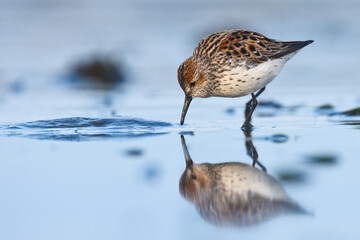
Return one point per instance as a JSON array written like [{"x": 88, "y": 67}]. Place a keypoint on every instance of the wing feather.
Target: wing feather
[{"x": 251, "y": 47}]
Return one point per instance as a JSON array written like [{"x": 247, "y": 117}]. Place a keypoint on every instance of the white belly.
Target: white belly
[
  {"x": 241, "y": 81},
  {"x": 242, "y": 179}
]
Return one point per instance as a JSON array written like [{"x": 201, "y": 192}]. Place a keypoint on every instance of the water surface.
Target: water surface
[{"x": 80, "y": 162}]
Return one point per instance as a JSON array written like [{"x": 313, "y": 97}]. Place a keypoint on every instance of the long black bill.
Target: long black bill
[
  {"x": 185, "y": 108},
  {"x": 188, "y": 159}
]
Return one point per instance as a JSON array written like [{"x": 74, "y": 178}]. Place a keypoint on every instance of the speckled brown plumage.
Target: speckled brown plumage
[
  {"x": 233, "y": 193},
  {"x": 249, "y": 46},
  {"x": 233, "y": 63}
]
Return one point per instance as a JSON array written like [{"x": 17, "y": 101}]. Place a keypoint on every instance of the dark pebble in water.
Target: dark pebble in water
[
  {"x": 277, "y": 138},
  {"x": 151, "y": 173},
  {"x": 230, "y": 111},
  {"x": 102, "y": 72},
  {"x": 266, "y": 114},
  {"x": 292, "y": 176},
  {"x": 325, "y": 107},
  {"x": 322, "y": 159},
  {"x": 295, "y": 108},
  {"x": 107, "y": 101},
  {"x": 270, "y": 104},
  {"x": 352, "y": 112},
  {"x": 135, "y": 152},
  {"x": 191, "y": 133},
  {"x": 351, "y": 122},
  {"x": 17, "y": 87}
]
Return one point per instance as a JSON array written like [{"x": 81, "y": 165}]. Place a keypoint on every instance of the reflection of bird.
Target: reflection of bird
[
  {"x": 233, "y": 193},
  {"x": 233, "y": 64}
]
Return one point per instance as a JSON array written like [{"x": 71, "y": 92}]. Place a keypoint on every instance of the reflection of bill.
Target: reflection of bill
[{"x": 233, "y": 193}]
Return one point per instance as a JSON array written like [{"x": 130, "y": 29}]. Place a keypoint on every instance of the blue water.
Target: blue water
[
  {"x": 83, "y": 129},
  {"x": 80, "y": 162}
]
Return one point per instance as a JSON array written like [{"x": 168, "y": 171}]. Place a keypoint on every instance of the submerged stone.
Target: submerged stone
[
  {"x": 230, "y": 111},
  {"x": 98, "y": 72},
  {"x": 134, "y": 152},
  {"x": 279, "y": 138},
  {"x": 292, "y": 176},
  {"x": 325, "y": 107},
  {"x": 352, "y": 112},
  {"x": 322, "y": 159},
  {"x": 270, "y": 104}
]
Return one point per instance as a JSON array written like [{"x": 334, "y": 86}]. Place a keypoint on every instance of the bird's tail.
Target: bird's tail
[{"x": 291, "y": 47}]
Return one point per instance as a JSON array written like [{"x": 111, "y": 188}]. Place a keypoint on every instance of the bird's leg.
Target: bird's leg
[
  {"x": 261, "y": 166},
  {"x": 250, "y": 107},
  {"x": 247, "y": 124},
  {"x": 260, "y": 92},
  {"x": 251, "y": 150},
  {"x": 249, "y": 103}
]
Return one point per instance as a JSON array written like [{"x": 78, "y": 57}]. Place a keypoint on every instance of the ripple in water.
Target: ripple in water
[{"x": 84, "y": 129}]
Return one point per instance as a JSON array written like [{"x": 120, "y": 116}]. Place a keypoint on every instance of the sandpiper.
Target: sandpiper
[
  {"x": 234, "y": 63},
  {"x": 234, "y": 193}
]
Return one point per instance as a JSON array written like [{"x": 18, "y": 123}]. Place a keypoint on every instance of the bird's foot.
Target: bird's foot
[{"x": 247, "y": 127}]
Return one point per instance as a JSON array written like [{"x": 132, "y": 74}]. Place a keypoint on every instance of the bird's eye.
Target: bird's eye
[
  {"x": 192, "y": 84},
  {"x": 193, "y": 176}
]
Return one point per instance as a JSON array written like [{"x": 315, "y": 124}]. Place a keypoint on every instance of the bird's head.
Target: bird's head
[
  {"x": 195, "y": 176},
  {"x": 193, "y": 83}
]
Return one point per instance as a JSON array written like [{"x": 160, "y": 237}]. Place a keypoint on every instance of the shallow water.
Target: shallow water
[
  {"x": 82, "y": 129},
  {"x": 77, "y": 162}
]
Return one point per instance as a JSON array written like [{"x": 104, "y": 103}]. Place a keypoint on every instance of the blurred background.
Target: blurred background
[
  {"x": 88, "y": 62},
  {"x": 42, "y": 41}
]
